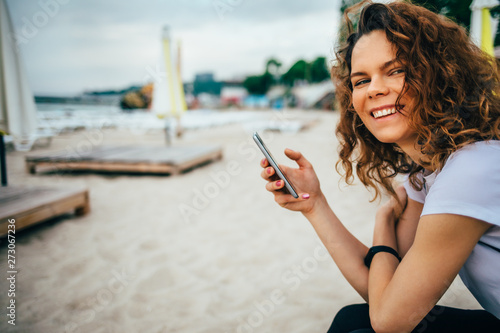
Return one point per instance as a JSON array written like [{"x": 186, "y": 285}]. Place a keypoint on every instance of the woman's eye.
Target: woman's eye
[
  {"x": 398, "y": 71},
  {"x": 360, "y": 82}
]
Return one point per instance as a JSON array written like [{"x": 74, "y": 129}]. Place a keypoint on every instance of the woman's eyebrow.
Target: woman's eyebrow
[
  {"x": 389, "y": 63},
  {"x": 384, "y": 66}
]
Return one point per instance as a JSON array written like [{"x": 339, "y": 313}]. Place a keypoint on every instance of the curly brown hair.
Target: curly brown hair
[{"x": 454, "y": 88}]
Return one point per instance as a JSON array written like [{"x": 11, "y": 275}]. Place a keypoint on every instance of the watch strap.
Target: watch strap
[{"x": 379, "y": 248}]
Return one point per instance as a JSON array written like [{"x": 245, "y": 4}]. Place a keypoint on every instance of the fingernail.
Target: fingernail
[
  {"x": 268, "y": 171},
  {"x": 263, "y": 161},
  {"x": 278, "y": 183},
  {"x": 305, "y": 196}
]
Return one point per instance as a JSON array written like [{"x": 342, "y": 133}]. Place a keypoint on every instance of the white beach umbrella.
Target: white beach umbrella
[
  {"x": 481, "y": 30},
  {"x": 17, "y": 105},
  {"x": 169, "y": 101},
  {"x": 168, "y": 93}
]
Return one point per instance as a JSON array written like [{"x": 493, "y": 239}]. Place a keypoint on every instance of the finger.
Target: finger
[
  {"x": 267, "y": 173},
  {"x": 297, "y": 157},
  {"x": 402, "y": 196},
  {"x": 274, "y": 186},
  {"x": 283, "y": 199},
  {"x": 264, "y": 163}
]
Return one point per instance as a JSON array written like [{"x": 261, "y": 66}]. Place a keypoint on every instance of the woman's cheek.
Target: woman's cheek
[{"x": 355, "y": 102}]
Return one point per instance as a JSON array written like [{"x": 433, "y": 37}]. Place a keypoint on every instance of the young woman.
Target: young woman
[{"x": 416, "y": 98}]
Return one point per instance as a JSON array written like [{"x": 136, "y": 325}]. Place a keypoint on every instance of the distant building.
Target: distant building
[
  {"x": 207, "y": 92},
  {"x": 256, "y": 102},
  {"x": 205, "y": 83},
  {"x": 204, "y": 77},
  {"x": 233, "y": 96}
]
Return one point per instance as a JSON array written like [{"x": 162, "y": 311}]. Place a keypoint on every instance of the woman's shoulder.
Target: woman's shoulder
[
  {"x": 472, "y": 161},
  {"x": 479, "y": 147},
  {"x": 469, "y": 183},
  {"x": 481, "y": 154}
]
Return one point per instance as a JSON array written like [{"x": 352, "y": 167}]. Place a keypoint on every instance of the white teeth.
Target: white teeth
[{"x": 385, "y": 112}]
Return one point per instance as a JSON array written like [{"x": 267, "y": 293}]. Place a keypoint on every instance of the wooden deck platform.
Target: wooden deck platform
[
  {"x": 32, "y": 205},
  {"x": 133, "y": 159}
]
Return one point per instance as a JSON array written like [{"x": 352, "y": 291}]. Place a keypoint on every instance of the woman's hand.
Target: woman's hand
[
  {"x": 393, "y": 208},
  {"x": 387, "y": 217},
  {"x": 304, "y": 180}
]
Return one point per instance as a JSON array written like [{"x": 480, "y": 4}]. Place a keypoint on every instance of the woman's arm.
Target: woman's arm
[
  {"x": 406, "y": 226},
  {"x": 402, "y": 294},
  {"x": 346, "y": 250}
]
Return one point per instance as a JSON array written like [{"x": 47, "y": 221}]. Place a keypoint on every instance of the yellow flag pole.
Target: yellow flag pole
[
  {"x": 179, "y": 78},
  {"x": 486, "y": 37}
]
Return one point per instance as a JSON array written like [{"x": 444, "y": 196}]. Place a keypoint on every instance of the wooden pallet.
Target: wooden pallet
[
  {"x": 32, "y": 205},
  {"x": 134, "y": 159}
]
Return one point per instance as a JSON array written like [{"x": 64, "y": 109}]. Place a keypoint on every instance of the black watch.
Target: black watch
[{"x": 380, "y": 248}]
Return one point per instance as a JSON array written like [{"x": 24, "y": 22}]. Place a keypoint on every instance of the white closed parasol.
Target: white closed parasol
[
  {"x": 17, "y": 105},
  {"x": 168, "y": 93}
]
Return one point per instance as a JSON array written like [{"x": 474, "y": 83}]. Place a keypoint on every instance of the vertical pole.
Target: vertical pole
[
  {"x": 183, "y": 104},
  {"x": 179, "y": 76},
  {"x": 168, "y": 68},
  {"x": 3, "y": 164}
]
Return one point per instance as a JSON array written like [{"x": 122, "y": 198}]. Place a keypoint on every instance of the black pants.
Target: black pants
[{"x": 355, "y": 319}]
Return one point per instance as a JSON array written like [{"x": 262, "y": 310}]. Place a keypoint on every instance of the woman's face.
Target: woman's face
[{"x": 377, "y": 79}]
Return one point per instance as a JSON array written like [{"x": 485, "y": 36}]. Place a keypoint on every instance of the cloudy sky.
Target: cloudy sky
[{"x": 70, "y": 46}]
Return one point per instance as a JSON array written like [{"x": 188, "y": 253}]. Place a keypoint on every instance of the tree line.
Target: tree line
[{"x": 300, "y": 71}]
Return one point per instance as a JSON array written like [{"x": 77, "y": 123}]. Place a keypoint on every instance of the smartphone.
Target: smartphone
[{"x": 270, "y": 159}]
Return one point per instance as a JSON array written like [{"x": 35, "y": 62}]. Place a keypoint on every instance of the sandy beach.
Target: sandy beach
[{"x": 204, "y": 251}]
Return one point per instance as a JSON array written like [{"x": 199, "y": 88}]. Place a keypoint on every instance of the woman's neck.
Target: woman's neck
[{"x": 416, "y": 155}]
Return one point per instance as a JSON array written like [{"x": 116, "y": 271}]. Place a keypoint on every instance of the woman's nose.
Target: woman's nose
[{"x": 377, "y": 87}]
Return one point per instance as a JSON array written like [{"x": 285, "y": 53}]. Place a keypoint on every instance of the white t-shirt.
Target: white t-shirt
[{"x": 469, "y": 185}]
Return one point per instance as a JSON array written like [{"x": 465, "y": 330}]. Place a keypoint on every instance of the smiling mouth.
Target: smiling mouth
[{"x": 383, "y": 113}]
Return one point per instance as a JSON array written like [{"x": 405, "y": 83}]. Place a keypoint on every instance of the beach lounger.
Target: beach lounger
[
  {"x": 127, "y": 159},
  {"x": 28, "y": 206}
]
